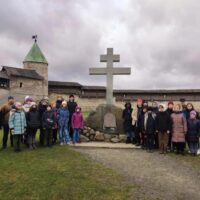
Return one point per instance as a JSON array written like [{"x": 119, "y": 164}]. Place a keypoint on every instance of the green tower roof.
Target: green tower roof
[{"x": 35, "y": 55}]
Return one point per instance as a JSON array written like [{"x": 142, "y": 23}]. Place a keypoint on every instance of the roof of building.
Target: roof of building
[
  {"x": 35, "y": 55},
  {"x": 64, "y": 84},
  {"x": 94, "y": 88},
  {"x": 178, "y": 91},
  {"x": 3, "y": 75},
  {"x": 19, "y": 72}
]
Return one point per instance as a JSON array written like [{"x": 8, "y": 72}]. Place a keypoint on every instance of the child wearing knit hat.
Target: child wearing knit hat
[
  {"x": 17, "y": 125},
  {"x": 193, "y": 133}
]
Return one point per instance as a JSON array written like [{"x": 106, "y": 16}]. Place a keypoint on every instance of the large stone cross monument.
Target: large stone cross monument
[{"x": 109, "y": 71}]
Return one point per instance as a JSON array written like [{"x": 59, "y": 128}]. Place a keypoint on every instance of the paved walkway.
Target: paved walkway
[
  {"x": 108, "y": 145},
  {"x": 163, "y": 177}
]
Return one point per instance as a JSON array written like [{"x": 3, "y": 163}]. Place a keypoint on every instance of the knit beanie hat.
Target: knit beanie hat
[
  {"x": 64, "y": 102},
  {"x": 193, "y": 112},
  {"x": 28, "y": 98}
]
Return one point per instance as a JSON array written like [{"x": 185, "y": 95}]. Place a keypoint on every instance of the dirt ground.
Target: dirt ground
[{"x": 157, "y": 176}]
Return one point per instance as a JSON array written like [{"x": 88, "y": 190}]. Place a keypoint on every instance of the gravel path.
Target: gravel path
[{"x": 157, "y": 176}]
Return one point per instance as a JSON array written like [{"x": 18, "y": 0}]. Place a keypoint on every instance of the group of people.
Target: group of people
[
  {"x": 149, "y": 126},
  {"x": 167, "y": 128},
  {"x": 22, "y": 121}
]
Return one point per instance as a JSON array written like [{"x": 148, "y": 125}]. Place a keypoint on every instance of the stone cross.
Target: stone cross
[{"x": 109, "y": 71}]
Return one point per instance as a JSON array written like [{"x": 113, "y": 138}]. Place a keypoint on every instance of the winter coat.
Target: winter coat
[
  {"x": 179, "y": 127},
  {"x": 17, "y": 122},
  {"x": 193, "y": 130},
  {"x": 169, "y": 111},
  {"x": 126, "y": 115},
  {"x": 63, "y": 117},
  {"x": 41, "y": 108},
  {"x": 5, "y": 113},
  {"x": 139, "y": 115},
  {"x": 55, "y": 111},
  {"x": 77, "y": 120},
  {"x": 71, "y": 105},
  {"x": 48, "y": 120},
  {"x": 33, "y": 119},
  {"x": 148, "y": 123},
  {"x": 163, "y": 122}
]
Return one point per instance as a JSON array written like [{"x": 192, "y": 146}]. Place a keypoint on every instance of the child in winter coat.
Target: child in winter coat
[
  {"x": 77, "y": 124},
  {"x": 193, "y": 131},
  {"x": 63, "y": 119},
  {"x": 33, "y": 123},
  {"x": 179, "y": 129},
  {"x": 128, "y": 127},
  {"x": 148, "y": 128},
  {"x": 163, "y": 127},
  {"x": 17, "y": 125},
  {"x": 142, "y": 122},
  {"x": 55, "y": 130},
  {"x": 48, "y": 124}
]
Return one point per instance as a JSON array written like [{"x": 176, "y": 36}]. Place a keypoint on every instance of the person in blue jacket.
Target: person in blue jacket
[
  {"x": 17, "y": 125},
  {"x": 63, "y": 121},
  {"x": 193, "y": 132}
]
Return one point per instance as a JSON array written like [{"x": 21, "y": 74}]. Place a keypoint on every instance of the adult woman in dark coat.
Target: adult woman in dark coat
[
  {"x": 71, "y": 105},
  {"x": 128, "y": 127}
]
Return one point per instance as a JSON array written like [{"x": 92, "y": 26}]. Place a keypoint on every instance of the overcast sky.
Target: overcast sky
[{"x": 158, "y": 39}]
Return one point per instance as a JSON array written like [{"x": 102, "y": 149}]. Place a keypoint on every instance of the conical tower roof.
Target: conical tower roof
[{"x": 35, "y": 55}]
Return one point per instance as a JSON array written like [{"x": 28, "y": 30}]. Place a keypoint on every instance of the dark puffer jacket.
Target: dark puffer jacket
[
  {"x": 148, "y": 123},
  {"x": 193, "y": 130},
  {"x": 33, "y": 119},
  {"x": 48, "y": 120},
  {"x": 163, "y": 122},
  {"x": 126, "y": 115}
]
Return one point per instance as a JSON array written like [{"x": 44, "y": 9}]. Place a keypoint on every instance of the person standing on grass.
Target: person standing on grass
[
  {"x": 179, "y": 129},
  {"x": 5, "y": 112},
  {"x": 143, "y": 128},
  {"x": 71, "y": 104},
  {"x": 42, "y": 107},
  {"x": 128, "y": 127},
  {"x": 193, "y": 132},
  {"x": 148, "y": 128},
  {"x": 55, "y": 130},
  {"x": 63, "y": 121},
  {"x": 33, "y": 124},
  {"x": 136, "y": 120},
  {"x": 17, "y": 125},
  {"x": 163, "y": 128},
  {"x": 48, "y": 124},
  {"x": 26, "y": 107},
  {"x": 170, "y": 111},
  {"x": 77, "y": 124}
]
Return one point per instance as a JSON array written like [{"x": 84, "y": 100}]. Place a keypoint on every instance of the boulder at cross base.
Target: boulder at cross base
[{"x": 95, "y": 119}]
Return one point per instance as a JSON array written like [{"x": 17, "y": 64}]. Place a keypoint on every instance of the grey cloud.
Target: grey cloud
[{"x": 158, "y": 39}]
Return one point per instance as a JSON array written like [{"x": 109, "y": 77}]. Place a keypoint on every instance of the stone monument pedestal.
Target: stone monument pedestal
[{"x": 107, "y": 119}]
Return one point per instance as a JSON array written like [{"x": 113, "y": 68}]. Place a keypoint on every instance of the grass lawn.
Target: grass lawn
[{"x": 56, "y": 173}]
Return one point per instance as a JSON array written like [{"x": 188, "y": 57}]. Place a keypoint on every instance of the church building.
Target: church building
[{"x": 32, "y": 79}]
